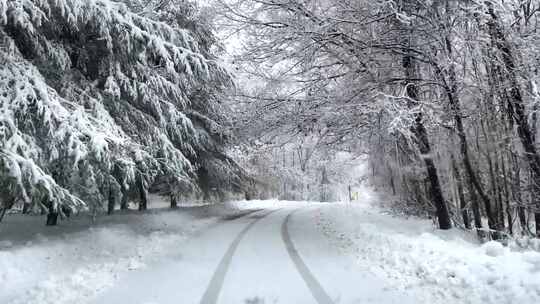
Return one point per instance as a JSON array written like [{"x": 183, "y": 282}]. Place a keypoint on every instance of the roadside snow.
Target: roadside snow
[
  {"x": 437, "y": 266},
  {"x": 74, "y": 262}
]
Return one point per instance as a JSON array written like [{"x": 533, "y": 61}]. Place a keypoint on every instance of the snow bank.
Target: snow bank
[
  {"x": 437, "y": 266},
  {"x": 74, "y": 262}
]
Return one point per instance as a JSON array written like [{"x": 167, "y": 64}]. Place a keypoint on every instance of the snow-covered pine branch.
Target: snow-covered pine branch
[{"x": 95, "y": 95}]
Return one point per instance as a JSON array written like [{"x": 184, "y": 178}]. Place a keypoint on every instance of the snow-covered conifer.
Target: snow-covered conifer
[{"x": 96, "y": 96}]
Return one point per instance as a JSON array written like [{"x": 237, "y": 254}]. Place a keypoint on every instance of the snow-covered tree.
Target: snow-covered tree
[
  {"x": 99, "y": 100},
  {"x": 444, "y": 92}
]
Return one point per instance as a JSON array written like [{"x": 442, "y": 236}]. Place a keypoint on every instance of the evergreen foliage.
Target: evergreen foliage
[{"x": 97, "y": 95}]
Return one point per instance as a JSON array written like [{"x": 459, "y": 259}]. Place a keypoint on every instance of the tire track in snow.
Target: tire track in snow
[
  {"x": 211, "y": 294},
  {"x": 314, "y": 286}
]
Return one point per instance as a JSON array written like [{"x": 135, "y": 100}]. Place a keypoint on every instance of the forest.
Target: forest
[
  {"x": 441, "y": 95},
  {"x": 269, "y": 151},
  {"x": 104, "y": 101}
]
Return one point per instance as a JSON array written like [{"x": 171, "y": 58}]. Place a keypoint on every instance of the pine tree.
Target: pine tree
[{"x": 96, "y": 96}]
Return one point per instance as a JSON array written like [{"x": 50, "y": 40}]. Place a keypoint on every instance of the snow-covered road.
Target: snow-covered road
[
  {"x": 260, "y": 252},
  {"x": 276, "y": 255}
]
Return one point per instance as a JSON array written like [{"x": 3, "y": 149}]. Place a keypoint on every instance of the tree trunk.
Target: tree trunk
[
  {"x": 26, "y": 208},
  {"x": 111, "y": 201},
  {"x": 174, "y": 201},
  {"x": 461, "y": 196},
  {"x": 422, "y": 141},
  {"x": 52, "y": 215},
  {"x": 392, "y": 182},
  {"x": 6, "y": 207},
  {"x": 453, "y": 99},
  {"x": 477, "y": 216},
  {"x": 124, "y": 201},
  {"x": 517, "y": 108},
  {"x": 491, "y": 209},
  {"x": 2, "y": 213},
  {"x": 499, "y": 212},
  {"x": 516, "y": 192},
  {"x": 519, "y": 200},
  {"x": 143, "y": 195},
  {"x": 507, "y": 203}
]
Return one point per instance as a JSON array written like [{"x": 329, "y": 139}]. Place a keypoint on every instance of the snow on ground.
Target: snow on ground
[
  {"x": 437, "y": 266},
  {"x": 267, "y": 204},
  {"x": 77, "y": 260}
]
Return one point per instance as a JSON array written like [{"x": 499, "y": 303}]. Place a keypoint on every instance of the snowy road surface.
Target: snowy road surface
[
  {"x": 261, "y": 252},
  {"x": 276, "y": 255}
]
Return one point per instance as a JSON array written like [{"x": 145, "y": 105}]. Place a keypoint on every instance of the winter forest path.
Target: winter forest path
[{"x": 275, "y": 255}]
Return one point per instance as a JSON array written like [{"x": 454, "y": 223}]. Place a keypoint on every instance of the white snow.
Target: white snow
[
  {"x": 436, "y": 266},
  {"x": 79, "y": 262},
  {"x": 267, "y": 204},
  {"x": 76, "y": 261},
  {"x": 493, "y": 248}
]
